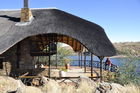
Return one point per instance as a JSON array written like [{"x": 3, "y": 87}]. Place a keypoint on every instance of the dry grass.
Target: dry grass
[{"x": 132, "y": 89}]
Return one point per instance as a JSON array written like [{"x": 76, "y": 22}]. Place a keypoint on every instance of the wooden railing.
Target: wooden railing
[{"x": 96, "y": 64}]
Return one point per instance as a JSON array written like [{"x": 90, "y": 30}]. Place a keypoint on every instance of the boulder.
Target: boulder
[
  {"x": 51, "y": 87},
  {"x": 105, "y": 87},
  {"x": 117, "y": 88},
  {"x": 44, "y": 80},
  {"x": 86, "y": 85},
  {"x": 8, "y": 84},
  {"x": 87, "y": 80},
  {"x": 28, "y": 89}
]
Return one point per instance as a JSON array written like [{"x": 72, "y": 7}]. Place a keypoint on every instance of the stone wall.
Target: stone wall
[
  {"x": 26, "y": 61},
  {"x": 9, "y": 61},
  {"x": 26, "y": 15},
  {"x": 6, "y": 69},
  {"x": 20, "y": 56}
]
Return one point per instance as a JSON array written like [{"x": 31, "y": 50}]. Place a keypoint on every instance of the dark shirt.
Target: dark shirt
[{"x": 108, "y": 62}]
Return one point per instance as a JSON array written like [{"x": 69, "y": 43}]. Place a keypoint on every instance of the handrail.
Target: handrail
[{"x": 96, "y": 64}]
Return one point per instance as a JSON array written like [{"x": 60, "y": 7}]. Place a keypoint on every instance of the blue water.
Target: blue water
[{"x": 115, "y": 61}]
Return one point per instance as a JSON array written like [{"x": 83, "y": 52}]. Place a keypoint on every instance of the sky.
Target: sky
[{"x": 119, "y": 18}]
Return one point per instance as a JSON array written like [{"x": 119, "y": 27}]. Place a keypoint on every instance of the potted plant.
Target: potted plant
[
  {"x": 62, "y": 72},
  {"x": 67, "y": 63}
]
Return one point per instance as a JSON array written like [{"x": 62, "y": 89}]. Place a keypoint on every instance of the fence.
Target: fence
[{"x": 96, "y": 64}]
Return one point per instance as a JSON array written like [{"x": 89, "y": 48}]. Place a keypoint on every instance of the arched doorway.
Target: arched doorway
[{"x": 45, "y": 46}]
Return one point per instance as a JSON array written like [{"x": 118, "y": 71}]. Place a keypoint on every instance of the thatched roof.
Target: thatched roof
[{"x": 91, "y": 35}]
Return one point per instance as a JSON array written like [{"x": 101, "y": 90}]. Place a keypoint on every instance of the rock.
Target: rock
[
  {"x": 28, "y": 89},
  {"x": 8, "y": 84},
  {"x": 105, "y": 87},
  {"x": 51, "y": 87},
  {"x": 117, "y": 88},
  {"x": 36, "y": 82},
  {"x": 44, "y": 80},
  {"x": 86, "y": 85},
  {"x": 88, "y": 80}
]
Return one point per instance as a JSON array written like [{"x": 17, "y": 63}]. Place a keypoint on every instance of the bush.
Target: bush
[{"x": 128, "y": 72}]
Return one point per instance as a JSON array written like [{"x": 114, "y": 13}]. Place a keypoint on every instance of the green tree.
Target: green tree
[{"x": 63, "y": 54}]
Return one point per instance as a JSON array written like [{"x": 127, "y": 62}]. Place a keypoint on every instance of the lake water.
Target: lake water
[{"x": 115, "y": 61}]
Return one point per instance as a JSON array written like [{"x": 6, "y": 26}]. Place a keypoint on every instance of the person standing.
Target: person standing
[{"x": 108, "y": 64}]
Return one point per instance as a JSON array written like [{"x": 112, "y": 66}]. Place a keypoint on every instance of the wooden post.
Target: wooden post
[
  {"x": 26, "y": 4},
  {"x": 56, "y": 56},
  {"x": 91, "y": 65},
  {"x": 79, "y": 58},
  {"x": 85, "y": 63},
  {"x": 49, "y": 66},
  {"x": 101, "y": 68}
]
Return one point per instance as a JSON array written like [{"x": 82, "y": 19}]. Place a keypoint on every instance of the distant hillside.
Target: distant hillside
[{"x": 128, "y": 48}]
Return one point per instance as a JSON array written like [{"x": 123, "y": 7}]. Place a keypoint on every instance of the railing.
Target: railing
[{"x": 96, "y": 64}]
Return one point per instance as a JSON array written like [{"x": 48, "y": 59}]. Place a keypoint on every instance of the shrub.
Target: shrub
[{"x": 128, "y": 72}]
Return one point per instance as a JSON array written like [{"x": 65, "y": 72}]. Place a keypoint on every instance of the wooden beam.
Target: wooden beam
[
  {"x": 41, "y": 41},
  {"x": 73, "y": 44},
  {"x": 67, "y": 40},
  {"x": 44, "y": 40},
  {"x": 41, "y": 53},
  {"x": 78, "y": 47}
]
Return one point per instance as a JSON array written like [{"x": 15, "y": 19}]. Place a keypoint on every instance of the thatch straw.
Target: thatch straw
[{"x": 46, "y": 21}]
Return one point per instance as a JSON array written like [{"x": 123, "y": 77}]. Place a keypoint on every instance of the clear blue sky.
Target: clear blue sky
[{"x": 119, "y": 18}]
